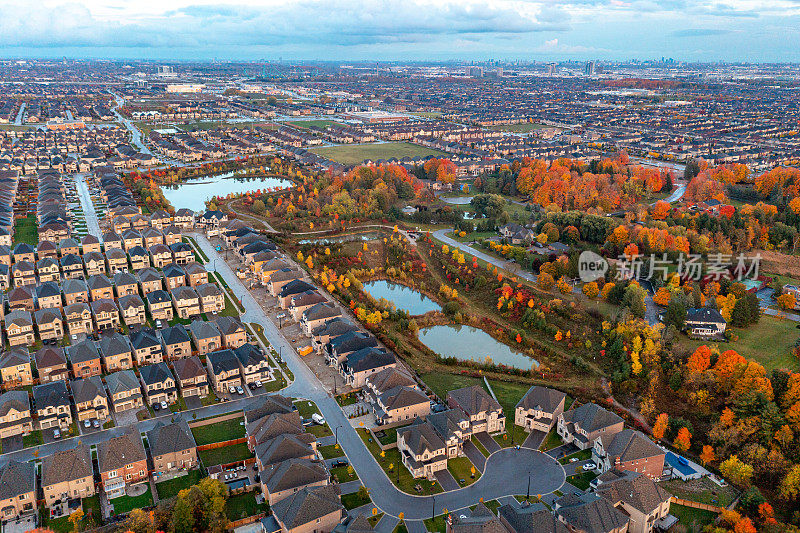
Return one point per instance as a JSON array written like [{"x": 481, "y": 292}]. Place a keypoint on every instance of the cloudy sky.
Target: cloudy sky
[{"x": 707, "y": 30}]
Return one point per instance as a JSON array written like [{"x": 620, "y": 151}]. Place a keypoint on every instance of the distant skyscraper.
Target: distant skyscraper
[
  {"x": 551, "y": 69},
  {"x": 165, "y": 71},
  {"x": 589, "y": 68},
  {"x": 475, "y": 72}
]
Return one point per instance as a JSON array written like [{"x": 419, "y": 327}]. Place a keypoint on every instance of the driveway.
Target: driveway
[
  {"x": 21, "y": 525},
  {"x": 12, "y": 444},
  {"x": 474, "y": 455},
  {"x": 446, "y": 480},
  {"x": 192, "y": 402},
  {"x": 488, "y": 442},
  {"x": 563, "y": 450},
  {"x": 534, "y": 439}
]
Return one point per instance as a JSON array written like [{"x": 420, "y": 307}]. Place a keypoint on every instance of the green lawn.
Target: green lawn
[
  {"x": 694, "y": 520},
  {"x": 219, "y": 431},
  {"x": 126, "y": 504},
  {"x": 225, "y": 455},
  {"x": 774, "y": 354},
  {"x": 400, "y": 527},
  {"x": 178, "y": 406},
  {"x": 330, "y": 451},
  {"x": 342, "y": 475},
  {"x": 91, "y": 511},
  {"x": 552, "y": 440},
  {"x": 462, "y": 468},
  {"x": 244, "y": 505},
  {"x": 34, "y": 438},
  {"x": 313, "y": 123},
  {"x": 701, "y": 490},
  {"x": 209, "y": 399},
  {"x": 353, "y": 500},
  {"x": 26, "y": 230},
  {"x": 354, "y": 154},
  {"x": 580, "y": 456},
  {"x": 170, "y": 488},
  {"x": 399, "y": 475},
  {"x": 481, "y": 447},
  {"x": 525, "y": 127},
  {"x": 582, "y": 480},
  {"x": 437, "y": 524}
]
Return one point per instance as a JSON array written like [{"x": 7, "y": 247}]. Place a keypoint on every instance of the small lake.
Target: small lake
[
  {"x": 194, "y": 193},
  {"x": 457, "y": 200},
  {"x": 466, "y": 343},
  {"x": 404, "y": 298}
]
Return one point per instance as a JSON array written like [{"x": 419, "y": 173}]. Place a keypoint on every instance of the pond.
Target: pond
[
  {"x": 457, "y": 200},
  {"x": 467, "y": 343},
  {"x": 194, "y": 193},
  {"x": 404, "y": 298}
]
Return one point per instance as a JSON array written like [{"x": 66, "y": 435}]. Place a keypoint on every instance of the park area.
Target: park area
[
  {"x": 356, "y": 153},
  {"x": 525, "y": 127}
]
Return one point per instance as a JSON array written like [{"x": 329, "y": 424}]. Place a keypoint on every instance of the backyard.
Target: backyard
[
  {"x": 126, "y": 504},
  {"x": 26, "y": 230},
  {"x": 353, "y": 154},
  {"x": 225, "y": 455},
  {"x": 171, "y": 487},
  {"x": 219, "y": 431},
  {"x": 244, "y": 505}
]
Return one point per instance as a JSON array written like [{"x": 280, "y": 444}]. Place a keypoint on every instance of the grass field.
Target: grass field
[
  {"x": 126, "y": 504},
  {"x": 171, "y": 487},
  {"x": 404, "y": 481},
  {"x": 525, "y": 127},
  {"x": 353, "y": 500},
  {"x": 692, "y": 519},
  {"x": 244, "y": 505},
  {"x": 354, "y": 154},
  {"x": 26, "y": 230},
  {"x": 461, "y": 468},
  {"x": 219, "y": 431},
  {"x": 225, "y": 455},
  {"x": 313, "y": 123},
  {"x": 776, "y": 353}
]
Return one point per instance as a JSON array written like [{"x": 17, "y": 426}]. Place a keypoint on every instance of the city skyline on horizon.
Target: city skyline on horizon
[{"x": 358, "y": 30}]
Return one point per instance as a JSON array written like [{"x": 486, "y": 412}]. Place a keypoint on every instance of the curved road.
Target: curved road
[
  {"x": 501, "y": 478},
  {"x": 136, "y": 135}
]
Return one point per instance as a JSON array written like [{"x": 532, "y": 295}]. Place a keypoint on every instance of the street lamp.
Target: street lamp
[
  {"x": 433, "y": 507},
  {"x": 528, "y": 493}
]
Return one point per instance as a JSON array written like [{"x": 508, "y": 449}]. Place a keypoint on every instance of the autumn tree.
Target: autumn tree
[
  {"x": 707, "y": 455},
  {"x": 660, "y": 427},
  {"x": 787, "y": 301},
  {"x": 590, "y": 289},
  {"x": 736, "y": 470},
  {"x": 683, "y": 440}
]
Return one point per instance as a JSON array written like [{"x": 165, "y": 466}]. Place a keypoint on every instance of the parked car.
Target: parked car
[
  {"x": 87, "y": 423},
  {"x": 318, "y": 418},
  {"x": 56, "y": 434},
  {"x": 164, "y": 405},
  {"x": 258, "y": 383},
  {"x": 239, "y": 390},
  {"x": 95, "y": 423},
  {"x": 232, "y": 390},
  {"x": 588, "y": 466},
  {"x": 156, "y": 406},
  {"x": 339, "y": 462}
]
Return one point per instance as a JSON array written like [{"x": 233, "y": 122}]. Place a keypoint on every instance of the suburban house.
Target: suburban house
[
  {"x": 317, "y": 315},
  {"x": 52, "y": 405},
  {"x": 131, "y": 309},
  {"x": 361, "y": 364},
  {"x": 94, "y": 263},
  {"x": 79, "y": 318},
  {"x": 121, "y": 461},
  {"x": 15, "y": 368},
  {"x": 150, "y": 280},
  {"x": 191, "y": 376},
  {"x": 174, "y": 276},
  {"x": 480, "y": 519},
  {"x": 196, "y": 273},
  {"x": 116, "y": 352},
  {"x": 284, "y": 479},
  {"x": 75, "y": 291},
  {"x": 51, "y": 363},
  {"x": 483, "y": 411},
  {"x": 48, "y": 270},
  {"x": 67, "y": 475},
  {"x": 124, "y": 390},
  {"x": 232, "y": 331},
  {"x": 538, "y": 410},
  {"x": 588, "y": 423},
  {"x": 15, "y": 414},
  {"x": 158, "y": 384},
  {"x": 100, "y": 288},
  {"x": 91, "y": 401},
  {"x": 284, "y": 447},
  {"x": 125, "y": 284},
  {"x": 338, "y": 348},
  {"x": 85, "y": 359},
  {"x": 206, "y": 336},
  {"x": 139, "y": 258},
  {"x": 105, "y": 314},
  {"x": 161, "y": 255},
  {"x": 589, "y": 512},
  {"x": 516, "y": 234},
  {"x": 299, "y": 303},
  {"x": 19, "y": 328},
  {"x": 223, "y": 367},
  {"x": 177, "y": 342},
  {"x": 705, "y": 323},
  {"x": 17, "y": 489},
  {"x": 21, "y": 298},
  {"x": 309, "y": 509},
  {"x": 636, "y": 495},
  {"x": 182, "y": 252},
  {"x": 212, "y": 300},
  {"x": 159, "y": 304},
  {"x": 186, "y": 302},
  {"x": 50, "y": 323},
  {"x": 400, "y": 404},
  {"x": 172, "y": 447},
  {"x": 630, "y": 450},
  {"x": 527, "y": 518},
  {"x": 147, "y": 348},
  {"x": 48, "y": 295},
  {"x": 90, "y": 243},
  {"x": 421, "y": 449},
  {"x": 253, "y": 364}
]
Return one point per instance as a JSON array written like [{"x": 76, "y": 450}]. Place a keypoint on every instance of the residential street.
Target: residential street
[{"x": 92, "y": 222}]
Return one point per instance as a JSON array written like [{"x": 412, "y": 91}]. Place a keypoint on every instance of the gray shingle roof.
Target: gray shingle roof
[
  {"x": 16, "y": 479},
  {"x": 306, "y": 505},
  {"x": 67, "y": 465},
  {"x": 167, "y": 438}
]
